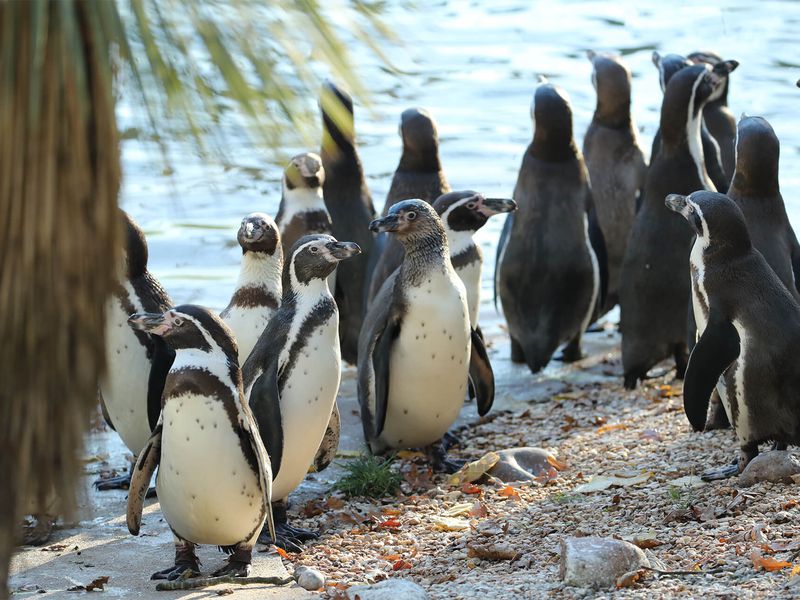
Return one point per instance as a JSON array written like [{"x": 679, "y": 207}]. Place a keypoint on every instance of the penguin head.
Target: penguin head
[
  {"x": 259, "y": 233},
  {"x": 304, "y": 171},
  {"x": 722, "y": 68},
  {"x": 315, "y": 257},
  {"x": 612, "y": 81},
  {"x": 420, "y": 140},
  {"x": 468, "y": 211},
  {"x": 552, "y": 124},
  {"x": 135, "y": 252},
  {"x": 686, "y": 94},
  {"x": 668, "y": 65},
  {"x": 188, "y": 327},
  {"x": 410, "y": 221},
  {"x": 757, "y": 155},
  {"x": 716, "y": 219},
  {"x": 338, "y": 122}
]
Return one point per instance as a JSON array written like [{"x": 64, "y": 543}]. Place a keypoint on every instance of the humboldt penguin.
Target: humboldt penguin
[
  {"x": 463, "y": 213},
  {"x": 667, "y": 67},
  {"x": 137, "y": 363},
  {"x": 419, "y": 175},
  {"x": 417, "y": 350},
  {"x": 292, "y": 376},
  {"x": 302, "y": 210},
  {"x": 748, "y": 349},
  {"x": 655, "y": 289},
  {"x": 350, "y": 206},
  {"x": 548, "y": 273},
  {"x": 258, "y": 289},
  {"x": 214, "y": 479},
  {"x": 615, "y": 162},
  {"x": 718, "y": 118}
]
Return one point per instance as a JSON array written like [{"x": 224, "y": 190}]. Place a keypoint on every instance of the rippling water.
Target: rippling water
[{"x": 475, "y": 68}]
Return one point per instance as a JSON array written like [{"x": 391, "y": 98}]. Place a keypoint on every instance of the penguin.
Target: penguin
[
  {"x": 292, "y": 376},
  {"x": 258, "y": 289},
  {"x": 655, "y": 288},
  {"x": 419, "y": 175},
  {"x": 214, "y": 479},
  {"x": 417, "y": 350},
  {"x": 350, "y": 206},
  {"x": 548, "y": 273},
  {"x": 463, "y": 213},
  {"x": 615, "y": 162},
  {"x": 667, "y": 67},
  {"x": 718, "y": 118},
  {"x": 749, "y": 346},
  {"x": 137, "y": 363}
]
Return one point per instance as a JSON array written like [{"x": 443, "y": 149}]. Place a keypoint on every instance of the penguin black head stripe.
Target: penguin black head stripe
[
  {"x": 304, "y": 171},
  {"x": 468, "y": 210},
  {"x": 697, "y": 83},
  {"x": 757, "y": 156},
  {"x": 258, "y": 233},
  {"x": 722, "y": 67},
  {"x": 411, "y": 221},
  {"x": 135, "y": 249},
  {"x": 552, "y": 117},
  {"x": 716, "y": 219},
  {"x": 315, "y": 257},
  {"x": 668, "y": 65}
]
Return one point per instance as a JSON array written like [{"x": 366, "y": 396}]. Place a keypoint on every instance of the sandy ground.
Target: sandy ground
[{"x": 578, "y": 412}]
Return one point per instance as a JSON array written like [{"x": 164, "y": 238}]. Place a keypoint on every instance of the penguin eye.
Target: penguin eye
[
  {"x": 314, "y": 249},
  {"x": 471, "y": 205},
  {"x": 177, "y": 321},
  {"x": 411, "y": 215}
]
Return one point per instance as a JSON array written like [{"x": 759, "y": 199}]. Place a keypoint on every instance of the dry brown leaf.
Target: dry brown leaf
[
  {"x": 334, "y": 502},
  {"x": 419, "y": 478},
  {"x": 390, "y": 523},
  {"x": 598, "y": 420},
  {"x": 470, "y": 488},
  {"x": 478, "y": 510},
  {"x": 97, "y": 584},
  {"x": 611, "y": 427},
  {"x": 790, "y": 504},
  {"x": 474, "y": 470},
  {"x": 647, "y": 543},
  {"x": 570, "y": 423},
  {"x": 554, "y": 462},
  {"x": 392, "y": 557},
  {"x": 509, "y": 492},
  {"x": 282, "y": 553},
  {"x": 391, "y": 512},
  {"x": 767, "y": 562},
  {"x": 795, "y": 571},
  {"x": 400, "y": 565},
  {"x": 492, "y": 551},
  {"x": 410, "y": 454},
  {"x": 628, "y": 579}
]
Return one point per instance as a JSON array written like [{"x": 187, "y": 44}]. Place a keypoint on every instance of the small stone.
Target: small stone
[
  {"x": 308, "y": 578},
  {"x": 776, "y": 466},
  {"x": 391, "y": 589},
  {"x": 597, "y": 562}
]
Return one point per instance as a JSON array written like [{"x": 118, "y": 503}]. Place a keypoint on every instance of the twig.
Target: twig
[
  {"x": 706, "y": 572},
  {"x": 200, "y": 582}
]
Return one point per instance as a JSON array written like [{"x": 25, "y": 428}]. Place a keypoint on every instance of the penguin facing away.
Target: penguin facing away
[
  {"x": 748, "y": 349},
  {"x": 655, "y": 288},
  {"x": 419, "y": 175},
  {"x": 350, "y": 206},
  {"x": 292, "y": 376},
  {"x": 417, "y": 349},
  {"x": 258, "y": 289},
  {"x": 137, "y": 362},
  {"x": 615, "y": 162},
  {"x": 548, "y": 274},
  {"x": 214, "y": 479}
]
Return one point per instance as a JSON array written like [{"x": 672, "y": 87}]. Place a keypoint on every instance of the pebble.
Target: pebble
[
  {"x": 308, "y": 578},
  {"x": 391, "y": 589},
  {"x": 597, "y": 562},
  {"x": 776, "y": 466}
]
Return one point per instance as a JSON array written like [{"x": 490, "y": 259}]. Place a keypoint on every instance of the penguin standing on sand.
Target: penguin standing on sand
[
  {"x": 137, "y": 363},
  {"x": 258, "y": 289},
  {"x": 655, "y": 286},
  {"x": 463, "y": 213},
  {"x": 292, "y": 376},
  {"x": 417, "y": 349},
  {"x": 419, "y": 175},
  {"x": 350, "y": 206},
  {"x": 214, "y": 479},
  {"x": 615, "y": 162},
  {"x": 548, "y": 274},
  {"x": 748, "y": 349}
]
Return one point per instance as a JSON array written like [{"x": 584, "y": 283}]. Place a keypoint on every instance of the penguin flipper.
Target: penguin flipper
[
  {"x": 598, "y": 243},
  {"x": 481, "y": 375},
  {"x": 265, "y": 403},
  {"x": 796, "y": 262},
  {"x": 714, "y": 352},
  {"x": 330, "y": 441},
  {"x": 160, "y": 364},
  {"x": 505, "y": 233},
  {"x": 146, "y": 464},
  {"x": 713, "y": 161}
]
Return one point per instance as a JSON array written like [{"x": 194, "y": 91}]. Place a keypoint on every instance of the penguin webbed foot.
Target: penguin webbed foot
[
  {"x": 289, "y": 538},
  {"x": 449, "y": 440},
  {"x": 239, "y": 564},
  {"x": 186, "y": 564},
  {"x": 440, "y": 462},
  {"x": 726, "y": 472},
  {"x": 517, "y": 354},
  {"x": 572, "y": 352}
]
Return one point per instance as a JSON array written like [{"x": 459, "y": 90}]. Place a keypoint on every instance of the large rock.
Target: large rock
[
  {"x": 777, "y": 466},
  {"x": 597, "y": 562},
  {"x": 522, "y": 464},
  {"x": 391, "y": 589}
]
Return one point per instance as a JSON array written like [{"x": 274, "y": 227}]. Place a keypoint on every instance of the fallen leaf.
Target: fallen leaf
[
  {"x": 795, "y": 571},
  {"x": 470, "y": 488},
  {"x": 282, "y": 552},
  {"x": 312, "y": 508},
  {"x": 790, "y": 504},
  {"x": 419, "y": 478},
  {"x": 458, "y": 510},
  {"x": 756, "y": 534},
  {"x": 391, "y": 512},
  {"x": 767, "y": 562},
  {"x": 616, "y": 499},
  {"x": 410, "y": 454},
  {"x": 665, "y": 391},
  {"x": 390, "y": 523},
  {"x": 598, "y": 420},
  {"x": 628, "y": 579},
  {"x": 509, "y": 492},
  {"x": 547, "y": 476},
  {"x": 334, "y": 502},
  {"x": 474, "y": 470},
  {"x": 478, "y": 510},
  {"x": 492, "y": 551},
  {"x": 348, "y": 453},
  {"x": 611, "y": 427},
  {"x": 570, "y": 423},
  {"x": 689, "y": 481},
  {"x": 400, "y": 565},
  {"x": 647, "y": 543},
  {"x": 449, "y": 523},
  {"x": 97, "y": 584},
  {"x": 391, "y": 557},
  {"x": 554, "y": 462},
  {"x": 601, "y": 482}
]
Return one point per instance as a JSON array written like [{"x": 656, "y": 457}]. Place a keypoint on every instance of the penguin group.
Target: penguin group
[{"x": 232, "y": 410}]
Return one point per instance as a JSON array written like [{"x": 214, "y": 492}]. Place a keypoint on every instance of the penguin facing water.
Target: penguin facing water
[
  {"x": 137, "y": 363},
  {"x": 258, "y": 289},
  {"x": 615, "y": 162},
  {"x": 292, "y": 376},
  {"x": 417, "y": 349},
  {"x": 749, "y": 346},
  {"x": 214, "y": 479},
  {"x": 350, "y": 206},
  {"x": 548, "y": 274},
  {"x": 655, "y": 286}
]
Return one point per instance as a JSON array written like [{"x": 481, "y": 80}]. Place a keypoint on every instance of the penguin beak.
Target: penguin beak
[
  {"x": 496, "y": 206},
  {"x": 153, "y": 323},
  {"x": 676, "y": 203},
  {"x": 387, "y": 223},
  {"x": 343, "y": 250},
  {"x": 252, "y": 231}
]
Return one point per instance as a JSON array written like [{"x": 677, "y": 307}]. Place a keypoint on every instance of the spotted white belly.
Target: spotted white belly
[
  {"x": 247, "y": 325},
  {"x": 208, "y": 492},
  {"x": 471, "y": 278},
  {"x": 429, "y": 363},
  {"x": 124, "y": 386},
  {"x": 743, "y": 416},
  {"x": 306, "y": 405},
  {"x": 699, "y": 294}
]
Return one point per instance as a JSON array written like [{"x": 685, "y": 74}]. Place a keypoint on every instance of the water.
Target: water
[{"x": 475, "y": 67}]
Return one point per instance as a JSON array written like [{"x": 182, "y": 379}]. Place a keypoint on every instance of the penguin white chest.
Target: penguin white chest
[
  {"x": 307, "y": 401},
  {"x": 247, "y": 324},
  {"x": 429, "y": 363},
  {"x": 124, "y": 386},
  {"x": 699, "y": 294},
  {"x": 735, "y": 374},
  {"x": 470, "y": 276},
  {"x": 208, "y": 491}
]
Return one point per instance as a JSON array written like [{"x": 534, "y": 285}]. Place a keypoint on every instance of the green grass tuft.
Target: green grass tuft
[{"x": 369, "y": 476}]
